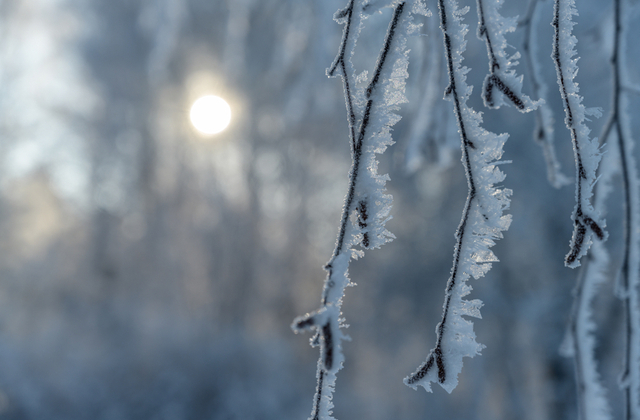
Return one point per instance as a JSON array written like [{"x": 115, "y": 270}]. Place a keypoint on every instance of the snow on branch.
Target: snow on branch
[
  {"x": 543, "y": 131},
  {"x": 586, "y": 153},
  {"x": 482, "y": 217},
  {"x": 371, "y": 112},
  {"x": 492, "y": 27}
]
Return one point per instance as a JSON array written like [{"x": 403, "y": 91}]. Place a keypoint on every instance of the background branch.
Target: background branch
[{"x": 543, "y": 131}]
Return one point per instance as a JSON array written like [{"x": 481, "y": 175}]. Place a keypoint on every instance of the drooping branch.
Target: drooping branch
[
  {"x": 543, "y": 131},
  {"x": 491, "y": 28},
  {"x": 341, "y": 63},
  {"x": 629, "y": 274},
  {"x": 481, "y": 223},
  {"x": 580, "y": 342},
  {"x": 585, "y": 150},
  {"x": 428, "y": 134},
  {"x": 591, "y": 395},
  {"x": 369, "y": 132}
]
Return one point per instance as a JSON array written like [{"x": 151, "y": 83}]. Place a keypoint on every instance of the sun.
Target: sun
[{"x": 210, "y": 114}]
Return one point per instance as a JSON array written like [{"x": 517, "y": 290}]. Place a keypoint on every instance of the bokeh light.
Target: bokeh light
[{"x": 210, "y": 114}]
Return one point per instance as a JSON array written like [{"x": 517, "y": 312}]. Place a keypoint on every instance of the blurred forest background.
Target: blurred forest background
[{"x": 149, "y": 272}]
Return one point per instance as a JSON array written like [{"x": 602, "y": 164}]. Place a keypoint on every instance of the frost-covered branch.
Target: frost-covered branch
[
  {"x": 482, "y": 219},
  {"x": 586, "y": 153},
  {"x": 629, "y": 276},
  {"x": 428, "y": 133},
  {"x": 580, "y": 341},
  {"x": 591, "y": 394},
  {"x": 581, "y": 345},
  {"x": 371, "y": 114},
  {"x": 492, "y": 28},
  {"x": 543, "y": 131},
  {"x": 340, "y": 63}
]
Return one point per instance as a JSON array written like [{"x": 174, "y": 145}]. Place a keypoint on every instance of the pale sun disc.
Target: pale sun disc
[{"x": 210, "y": 114}]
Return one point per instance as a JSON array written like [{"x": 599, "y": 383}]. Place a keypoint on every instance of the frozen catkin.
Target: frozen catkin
[
  {"x": 482, "y": 219},
  {"x": 502, "y": 86},
  {"x": 586, "y": 151},
  {"x": 372, "y": 102}
]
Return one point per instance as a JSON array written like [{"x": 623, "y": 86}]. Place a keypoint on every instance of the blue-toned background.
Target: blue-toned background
[{"x": 150, "y": 272}]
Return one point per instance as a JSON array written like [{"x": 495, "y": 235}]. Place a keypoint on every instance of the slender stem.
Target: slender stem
[
  {"x": 340, "y": 62},
  {"x": 357, "y": 148},
  {"x": 484, "y": 33},
  {"x": 628, "y": 173},
  {"x": 495, "y": 78},
  {"x": 527, "y": 23},
  {"x": 324, "y": 329},
  {"x": 582, "y": 221},
  {"x": 315, "y": 413},
  {"x": 543, "y": 132},
  {"x": 425, "y": 137},
  {"x": 437, "y": 352},
  {"x": 578, "y": 303}
]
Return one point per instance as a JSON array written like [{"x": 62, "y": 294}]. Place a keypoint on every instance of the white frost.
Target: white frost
[
  {"x": 502, "y": 86},
  {"x": 586, "y": 151},
  {"x": 482, "y": 219},
  {"x": 371, "y": 112}
]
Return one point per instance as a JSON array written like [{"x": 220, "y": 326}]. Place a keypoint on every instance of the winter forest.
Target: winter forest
[{"x": 152, "y": 270}]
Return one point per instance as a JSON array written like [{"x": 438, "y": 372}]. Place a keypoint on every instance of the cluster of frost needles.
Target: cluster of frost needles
[{"x": 372, "y": 102}]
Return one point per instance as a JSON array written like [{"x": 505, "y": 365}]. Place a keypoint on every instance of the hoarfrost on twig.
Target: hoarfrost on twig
[
  {"x": 502, "y": 77},
  {"x": 482, "y": 217},
  {"x": 587, "y": 156},
  {"x": 371, "y": 112},
  {"x": 543, "y": 131}
]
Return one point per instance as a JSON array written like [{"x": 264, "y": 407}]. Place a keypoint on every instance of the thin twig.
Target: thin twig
[
  {"x": 495, "y": 78},
  {"x": 436, "y": 353},
  {"x": 591, "y": 396},
  {"x": 543, "y": 131},
  {"x": 628, "y": 287},
  {"x": 583, "y": 222},
  {"x": 325, "y": 320},
  {"x": 340, "y": 62},
  {"x": 428, "y": 128},
  {"x": 482, "y": 220}
]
